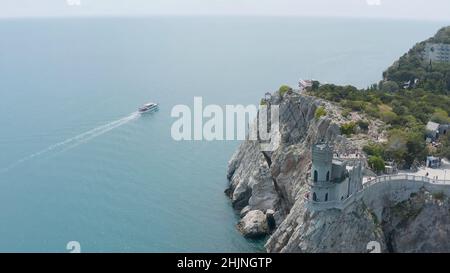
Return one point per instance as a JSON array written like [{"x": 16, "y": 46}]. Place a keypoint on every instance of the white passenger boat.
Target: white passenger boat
[{"x": 148, "y": 107}]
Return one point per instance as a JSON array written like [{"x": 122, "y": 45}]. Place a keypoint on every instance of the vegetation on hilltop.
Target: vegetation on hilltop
[
  {"x": 405, "y": 110},
  {"x": 442, "y": 36},
  {"x": 284, "y": 89},
  {"x": 434, "y": 77}
]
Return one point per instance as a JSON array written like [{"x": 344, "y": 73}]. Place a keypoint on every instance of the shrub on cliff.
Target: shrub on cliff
[
  {"x": 320, "y": 112},
  {"x": 354, "y": 105},
  {"x": 284, "y": 89},
  {"x": 363, "y": 125},
  {"x": 346, "y": 113},
  {"x": 348, "y": 128},
  {"x": 439, "y": 195}
]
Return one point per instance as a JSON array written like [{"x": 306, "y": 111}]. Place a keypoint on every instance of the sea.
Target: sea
[{"x": 78, "y": 164}]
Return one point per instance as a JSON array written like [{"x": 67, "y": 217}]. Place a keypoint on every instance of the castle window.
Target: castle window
[
  {"x": 326, "y": 197},
  {"x": 316, "y": 175},
  {"x": 328, "y": 176},
  {"x": 314, "y": 197}
]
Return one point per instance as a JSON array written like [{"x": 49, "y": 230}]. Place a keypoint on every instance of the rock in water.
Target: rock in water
[{"x": 254, "y": 224}]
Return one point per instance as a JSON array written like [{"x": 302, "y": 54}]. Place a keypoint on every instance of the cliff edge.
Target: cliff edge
[{"x": 269, "y": 190}]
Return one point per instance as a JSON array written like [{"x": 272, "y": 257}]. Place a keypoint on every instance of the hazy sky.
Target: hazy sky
[{"x": 411, "y": 9}]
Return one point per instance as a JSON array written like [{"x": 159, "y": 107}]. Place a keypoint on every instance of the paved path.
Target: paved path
[{"x": 442, "y": 173}]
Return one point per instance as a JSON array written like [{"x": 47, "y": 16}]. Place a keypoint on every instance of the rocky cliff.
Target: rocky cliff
[
  {"x": 268, "y": 189},
  {"x": 276, "y": 180}
]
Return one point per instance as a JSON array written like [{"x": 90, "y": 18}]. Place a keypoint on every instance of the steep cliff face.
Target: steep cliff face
[
  {"x": 419, "y": 224},
  {"x": 275, "y": 183},
  {"x": 327, "y": 231},
  {"x": 254, "y": 185},
  {"x": 277, "y": 180}
]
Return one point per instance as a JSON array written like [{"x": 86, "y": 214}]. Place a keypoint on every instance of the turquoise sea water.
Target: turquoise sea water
[{"x": 125, "y": 185}]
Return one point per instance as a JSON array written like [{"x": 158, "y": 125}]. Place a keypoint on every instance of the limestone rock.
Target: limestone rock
[
  {"x": 254, "y": 224},
  {"x": 419, "y": 224},
  {"x": 276, "y": 183},
  {"x": 275, "y": 180},
  {"x": 327, "y": 231}
]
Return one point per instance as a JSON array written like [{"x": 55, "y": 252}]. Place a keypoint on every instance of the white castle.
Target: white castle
[{"x": 333, "y": 178}]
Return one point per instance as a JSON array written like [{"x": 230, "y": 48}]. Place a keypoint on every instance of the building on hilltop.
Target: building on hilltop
[
  {"x": 437, "y": 52},
  {"x": 433, "y": 162},
  {"x": 333, "y": 178},
  {"x": 434, "y": 130},
  {"x": 304, "y": 84}
]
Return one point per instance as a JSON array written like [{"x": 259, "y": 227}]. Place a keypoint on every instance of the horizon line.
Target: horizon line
[{"x": 250, "y": 15}]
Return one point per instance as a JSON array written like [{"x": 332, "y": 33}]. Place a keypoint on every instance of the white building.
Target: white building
[
  {"x": 333, "y": 179},
  {"x": 435, "y": 130},
  {"x": 303, "y": 84},
  {"x": 432, "y": 130},
  {"x": 437, "y": 52}
]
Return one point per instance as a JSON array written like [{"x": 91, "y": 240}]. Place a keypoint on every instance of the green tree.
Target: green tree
[
  {"x": 396, "y": 146},
  {"x": 389, "y": 86},
  {"x": 444, "y": 150},
  {"x": 374, "y": 149},
  {"x": 315, "y": 85},
  {"x": 440, "y": 116},
  {"x": 416, "y": 147},
  {"x": 376, "y": 163},
  {"x": 406, "y": 146}
]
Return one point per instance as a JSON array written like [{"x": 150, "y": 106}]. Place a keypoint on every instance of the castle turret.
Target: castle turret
[
  {"x": 322, "y": 156},
  {"x": 321, "y": 185},
  {"x": 332, "y": 179}
]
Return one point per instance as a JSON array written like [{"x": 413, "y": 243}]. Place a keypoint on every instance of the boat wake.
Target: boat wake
[{"x": 75, "y": 141}]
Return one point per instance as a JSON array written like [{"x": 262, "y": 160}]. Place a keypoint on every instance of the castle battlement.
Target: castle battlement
[
  {"x": 322, "y": 152},
  {"x": 332, "y": 179}
]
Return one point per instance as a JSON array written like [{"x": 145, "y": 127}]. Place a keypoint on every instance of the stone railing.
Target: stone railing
[
  {"x": 338, "y": 204},
  {"x": 403, "y": 177}
]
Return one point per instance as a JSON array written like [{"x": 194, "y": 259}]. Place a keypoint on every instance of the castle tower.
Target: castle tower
[{"x": 321, "y": 185}]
